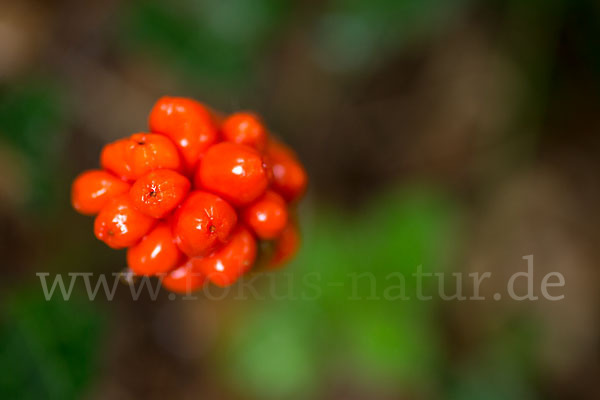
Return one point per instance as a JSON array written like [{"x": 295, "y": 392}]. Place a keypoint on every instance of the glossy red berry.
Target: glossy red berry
[
  {"x": 188, "y": 123},
  {"x": 184, "y": 279},
  {"x": 267, "y": 216},
  {"x": 286, "y": 245},
  {"x": 139, "y": 154},
  {"x": 245, "y": 128},
  {"x": 91, "y": 190},
  {"x": 156, "y": 253},
  {"x": 203, "y": 222},
  {"x": 119, "y": 224},
  {"x": 227, "y": 264},
  {"x": 158, "y": 192},
  {"x": 289, "y": 177},
  {"x": 234, "y": 171}
]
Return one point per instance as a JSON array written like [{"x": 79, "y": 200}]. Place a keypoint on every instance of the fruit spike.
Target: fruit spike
[{"x": 245, "y": 188}]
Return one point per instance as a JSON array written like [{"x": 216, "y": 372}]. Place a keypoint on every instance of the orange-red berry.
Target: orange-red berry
[
  {"x": 245, "y": 128},
  {"x": 91, "y": 190},
  {"x": 234, "y": 171},
  {"x": 156, "y": 253},
  {"x": 119, "y": 224},
  {"x": 184, "y": 279},
  {"x": 230, "y": 262},
  {"x": 267, "y": 216},
  {"x": 289, "y": 176},
  {"x": 158, "y": 192},
  {"x": 203, "y": 221},
  {"x": 188, "y": 123},
  {"x": 139, "y": 154},
  {"x": 286, "y": 245}
]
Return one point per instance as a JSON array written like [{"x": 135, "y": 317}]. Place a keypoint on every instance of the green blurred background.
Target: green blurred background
[{"x": 457, "y": 135}]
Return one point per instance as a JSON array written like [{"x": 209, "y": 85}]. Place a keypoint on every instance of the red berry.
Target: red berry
[
  {"x": 245, "y": 128},
  {"x": 230, "y": 262},
  {"x": 156, "y": 253},
  {"x": 286, "y": 245},
  {"x": 202, "y": 222},
  {"x": 139, "y": 154},
  {"x": 267, "y": 216},
  {"x": 234, "y": 171},
  {"x": 158, "y": 192},
  {"x": 91, "y": 190},
  {"x": 188, "y": 123},
  {"x": 289, "y": 177},
  {"x": 120, "y": 225},
  {"x": 184, "y": 279}
]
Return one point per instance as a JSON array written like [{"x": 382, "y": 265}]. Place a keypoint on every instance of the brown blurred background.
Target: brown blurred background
[{"x": 460, "y": 136}]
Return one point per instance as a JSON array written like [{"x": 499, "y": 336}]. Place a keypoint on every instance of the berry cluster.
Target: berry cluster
[{"x": 191, "y": 199}]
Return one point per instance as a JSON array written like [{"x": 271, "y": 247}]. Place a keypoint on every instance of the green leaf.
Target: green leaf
[
  {"x": 49, "y": 347},
  {"x": 33, "y": 121},
  {"x": 280, "y": 347},
  {"x": 271, "y": 352}
]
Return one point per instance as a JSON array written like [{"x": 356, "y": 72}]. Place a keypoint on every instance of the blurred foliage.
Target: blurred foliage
[
  {"x": 286, "y": 347},
  {"x": 376, "y": 29},
  {"x": 33, "y": 122},
  {"x": 504, "y": 367},
  {"x": 212, "y": 43},
  {"x": 49, "y": 348}
]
